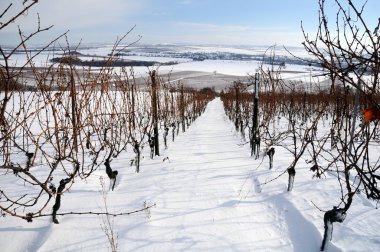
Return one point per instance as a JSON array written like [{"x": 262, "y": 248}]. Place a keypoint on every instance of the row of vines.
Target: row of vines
[
  {"x": 332, "y": 125},
  {"x": 315, "y": 126},
  {"x": 333, "y": 128},
  {"x": 72, "y": 122}
]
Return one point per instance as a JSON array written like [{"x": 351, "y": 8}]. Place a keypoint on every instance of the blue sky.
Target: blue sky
[{"x": 238, "y": 22}]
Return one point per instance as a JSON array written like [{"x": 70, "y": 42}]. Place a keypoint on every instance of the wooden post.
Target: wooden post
[
  {"x": 182, "y": 108},
  {"x": 255, "y": 119},
  {"x": 155, "y": 114},
  {"x": 133, "y": 107},
  {"x": 237, "y": 106},
  {"x": 74, "y": 112}
]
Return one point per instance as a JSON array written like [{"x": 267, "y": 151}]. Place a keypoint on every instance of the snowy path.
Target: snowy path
[{"x": 200, "y": 205}]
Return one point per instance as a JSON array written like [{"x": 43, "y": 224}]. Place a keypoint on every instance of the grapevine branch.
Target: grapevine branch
[{"x": 28, "y": 217}]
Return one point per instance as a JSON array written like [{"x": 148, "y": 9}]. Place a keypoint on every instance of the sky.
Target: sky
[{"x": 216, "y": 22}]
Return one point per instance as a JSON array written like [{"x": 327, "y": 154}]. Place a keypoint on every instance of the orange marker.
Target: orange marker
[{"x": 371, "y": 114}]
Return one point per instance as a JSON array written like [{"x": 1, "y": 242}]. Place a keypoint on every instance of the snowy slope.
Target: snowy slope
[{"x": 209, "y": 196}]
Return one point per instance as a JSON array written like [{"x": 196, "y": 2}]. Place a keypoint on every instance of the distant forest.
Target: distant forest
[{"x": 105, "y": 62}]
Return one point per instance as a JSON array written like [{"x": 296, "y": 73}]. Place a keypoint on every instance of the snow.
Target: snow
[
  {"x": 210, "y": 195},
  {"x": 229, "y": 67}
]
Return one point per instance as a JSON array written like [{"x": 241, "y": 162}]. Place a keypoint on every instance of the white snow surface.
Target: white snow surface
[
  {"x": 229, "y": 67},
  {"x": 209, "y": 196}
]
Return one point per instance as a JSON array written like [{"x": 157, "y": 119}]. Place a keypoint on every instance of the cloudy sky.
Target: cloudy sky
[{"x": 237, "y": 22}]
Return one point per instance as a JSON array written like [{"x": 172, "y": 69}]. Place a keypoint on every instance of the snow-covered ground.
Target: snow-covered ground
[
  {"x": 167, "y": 53},
  {"x": 209, "y": 195}
]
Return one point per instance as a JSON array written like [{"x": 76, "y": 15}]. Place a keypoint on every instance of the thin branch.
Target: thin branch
[
  {"x": 6, "y": 10},
  {"x": 97, "y": 213},
  {"x": 16, "y": 16}
]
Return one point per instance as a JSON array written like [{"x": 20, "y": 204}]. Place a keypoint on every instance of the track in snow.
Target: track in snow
[{"x": 201, "y": 205}]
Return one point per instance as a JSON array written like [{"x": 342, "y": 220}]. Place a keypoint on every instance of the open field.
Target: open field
[{"x": 191, "y": 78}]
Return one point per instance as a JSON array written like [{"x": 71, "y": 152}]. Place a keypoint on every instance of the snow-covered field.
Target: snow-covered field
[
  {"x": 227, "y": 59},
  {"x": 209, "y": 195}
]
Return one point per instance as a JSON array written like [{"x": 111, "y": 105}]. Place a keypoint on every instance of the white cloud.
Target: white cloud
[
  {"x": 74, "y": 14},
  {"x": 186, "y": 2},
  {"x": 99, "y": 20},
  {"x": 216, "y": 33},
  {"x": 229, "y": 28},
  {"x": 213, "y": 27},
  {"x": 203, "y": 33}
]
